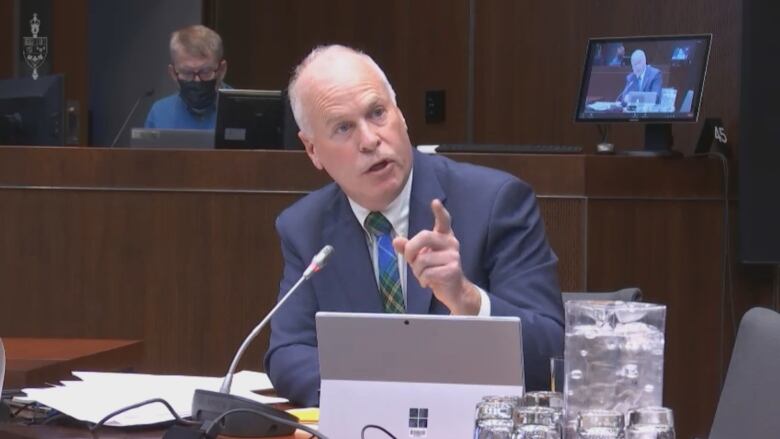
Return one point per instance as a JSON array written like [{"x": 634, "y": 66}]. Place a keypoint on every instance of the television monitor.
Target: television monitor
[
  {"x": 254, "y": 119},
  {"x": 32, "y": 111},
  {"x": 655, "y": 80}
]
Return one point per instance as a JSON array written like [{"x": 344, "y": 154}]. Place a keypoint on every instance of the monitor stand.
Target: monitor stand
[{"x": 658, "y": 142}]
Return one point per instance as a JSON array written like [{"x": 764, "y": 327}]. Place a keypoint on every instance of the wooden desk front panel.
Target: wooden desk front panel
[
  {"x": 190, "y": 273},
  {"x": 178, "y": 249}
]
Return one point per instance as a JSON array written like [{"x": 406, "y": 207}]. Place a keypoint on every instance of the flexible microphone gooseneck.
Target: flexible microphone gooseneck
[
  {"x": 146, "y": 94},
  {"x": 208, "y": 405},
  {"x": 622, "y": 94}
]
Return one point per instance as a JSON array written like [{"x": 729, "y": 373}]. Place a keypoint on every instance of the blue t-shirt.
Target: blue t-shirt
[{"x": 172, "y": 112}]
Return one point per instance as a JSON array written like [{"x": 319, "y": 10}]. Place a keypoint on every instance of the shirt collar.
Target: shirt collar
[{"x": 397, "y": 212}]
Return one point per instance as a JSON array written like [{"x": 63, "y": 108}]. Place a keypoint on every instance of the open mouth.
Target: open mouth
[{"x": 379, "y": 166}]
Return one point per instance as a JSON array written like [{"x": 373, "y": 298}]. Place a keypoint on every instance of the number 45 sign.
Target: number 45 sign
[{"x": 713, "y": 137}]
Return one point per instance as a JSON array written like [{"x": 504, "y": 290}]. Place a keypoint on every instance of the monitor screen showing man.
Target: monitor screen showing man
[
  {"x": 412, "y": 233},
  {"x": 647, "y": 79}
]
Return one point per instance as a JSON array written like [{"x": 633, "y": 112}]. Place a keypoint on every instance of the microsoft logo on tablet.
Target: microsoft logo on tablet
[{"x": 418, "y": 422}]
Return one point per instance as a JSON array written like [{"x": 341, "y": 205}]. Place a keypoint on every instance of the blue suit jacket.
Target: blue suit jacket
[
  {"x": 503, "y": 249},
  {"x": 653, "y": 82}
]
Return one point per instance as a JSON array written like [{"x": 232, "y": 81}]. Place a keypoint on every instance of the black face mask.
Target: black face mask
[{"x": 198, "y": 95}]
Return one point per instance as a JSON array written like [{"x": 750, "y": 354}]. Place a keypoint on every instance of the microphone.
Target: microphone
[
  {"x": 146, "y": 94},
  {"x": 208, "y": 405},
  {"x": 629, "y": 85}
]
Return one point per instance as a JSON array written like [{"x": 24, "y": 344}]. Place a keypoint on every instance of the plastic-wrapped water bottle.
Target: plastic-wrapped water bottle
[{"x": 614, "y": 353}]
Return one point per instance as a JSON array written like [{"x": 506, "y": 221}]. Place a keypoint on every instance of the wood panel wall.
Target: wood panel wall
[
  {"x": 69, "y": 40},
  {"x": 6, "y": 38},
  {"x": 420, "y": 45}
]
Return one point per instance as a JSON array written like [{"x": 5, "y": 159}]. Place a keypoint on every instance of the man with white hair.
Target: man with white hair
[
  {"x": 412, "y": 233},
  {"x": 643, "y": 78}
]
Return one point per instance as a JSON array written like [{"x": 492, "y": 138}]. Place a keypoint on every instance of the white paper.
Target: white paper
[{"x": 99, "y": 394}]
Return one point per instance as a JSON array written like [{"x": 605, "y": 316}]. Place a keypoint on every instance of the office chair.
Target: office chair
[
  {"x": 632, "y": 294},
  {"x": 748, "y": 406}
]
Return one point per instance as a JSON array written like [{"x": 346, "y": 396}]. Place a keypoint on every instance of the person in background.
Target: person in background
[
  {"x": 618, "y": 57},
  {"x": 412, "y": 233},
  {"x": 198, "y": 69}
]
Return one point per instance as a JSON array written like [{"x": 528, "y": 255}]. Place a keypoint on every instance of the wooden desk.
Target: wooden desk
[{"x": 35, "y": 361}]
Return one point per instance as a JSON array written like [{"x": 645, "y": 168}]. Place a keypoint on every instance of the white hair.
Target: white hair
[
  {"x": 295, "y": 94},
  {"x": 637, "y": 55}
]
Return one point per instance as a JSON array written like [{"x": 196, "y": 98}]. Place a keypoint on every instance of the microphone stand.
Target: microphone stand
[
  {"x": 207, "y": 405},
  {"x": 130, "y": 115}
]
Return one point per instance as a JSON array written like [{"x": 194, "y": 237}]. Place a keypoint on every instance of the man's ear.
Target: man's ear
[
  {"x": 403, "y": 119},
  {"x": 311, "y": 150},
  {"x": 172, "y": 73}
]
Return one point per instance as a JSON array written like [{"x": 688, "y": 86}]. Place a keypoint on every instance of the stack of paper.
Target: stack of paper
[{"x": 98, "y": 394}]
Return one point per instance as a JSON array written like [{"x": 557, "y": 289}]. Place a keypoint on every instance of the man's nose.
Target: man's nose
[{"x": 369, "y": 139}]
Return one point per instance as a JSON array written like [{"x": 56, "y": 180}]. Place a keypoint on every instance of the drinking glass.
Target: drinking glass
[
  {"x": 542, "y": 398},
  {"x": 494, "y": 419},
  {"x": 552, "y": 400},
  {"x": 650, "y": 423},
  {"x": 536, "y": 423},
  {"x": 600, "y": 424}
]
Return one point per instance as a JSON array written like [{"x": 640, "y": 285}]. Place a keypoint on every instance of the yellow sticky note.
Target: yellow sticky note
[{"x": 309, "y": 415}]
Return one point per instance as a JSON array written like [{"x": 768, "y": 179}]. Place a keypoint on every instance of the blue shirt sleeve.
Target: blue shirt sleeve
[{"x": 151, "y": 119}]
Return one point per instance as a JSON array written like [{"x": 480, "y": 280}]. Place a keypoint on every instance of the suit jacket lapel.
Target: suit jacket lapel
[
  {"x": 352, "y": 262},
  {"x": 425, "y": 187}
]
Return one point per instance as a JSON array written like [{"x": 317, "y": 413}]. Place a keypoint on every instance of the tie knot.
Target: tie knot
[{"x": 377, "y": 224}]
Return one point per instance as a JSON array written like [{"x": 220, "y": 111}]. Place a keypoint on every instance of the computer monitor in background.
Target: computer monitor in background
[
  {"x": 32, "y": 111},
  {"x": 254, "y": 119},
  {"x": 615, "y": 88}
]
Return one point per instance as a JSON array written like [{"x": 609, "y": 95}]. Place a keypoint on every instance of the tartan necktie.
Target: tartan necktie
[{"x": 387, "y": 263}]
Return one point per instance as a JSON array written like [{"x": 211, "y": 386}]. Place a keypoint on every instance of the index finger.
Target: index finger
[{"x": 441, "y": 217}]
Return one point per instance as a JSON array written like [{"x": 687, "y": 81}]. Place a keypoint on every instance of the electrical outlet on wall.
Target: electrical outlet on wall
[{"x": 435, "y": 105}]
